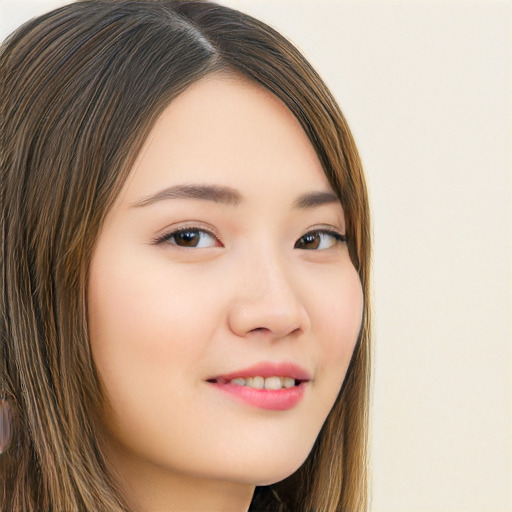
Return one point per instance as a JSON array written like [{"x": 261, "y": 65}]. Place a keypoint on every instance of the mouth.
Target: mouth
[
  {"x": 273, "y": 382},
  {"x": 272, "y": 386}
]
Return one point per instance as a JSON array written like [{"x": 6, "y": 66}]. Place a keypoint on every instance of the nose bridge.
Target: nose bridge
[
  {"x": 273, "y": 274},
  {"x": 267, "y": 296}
]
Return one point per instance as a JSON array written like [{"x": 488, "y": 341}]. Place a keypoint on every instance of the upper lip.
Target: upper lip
[{"x": 267, "y": 369}]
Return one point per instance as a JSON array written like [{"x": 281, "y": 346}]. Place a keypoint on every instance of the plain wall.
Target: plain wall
[{"x": 426, "y": 87}]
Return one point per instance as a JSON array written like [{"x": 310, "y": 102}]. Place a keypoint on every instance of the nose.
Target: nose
[{"x": 267, "y": 302}]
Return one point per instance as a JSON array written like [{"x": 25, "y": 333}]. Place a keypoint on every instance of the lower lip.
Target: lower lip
[{"x": 271, "y": 399}]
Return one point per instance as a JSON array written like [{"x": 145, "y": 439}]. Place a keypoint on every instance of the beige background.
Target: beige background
[{"x": 426, "y": 87}]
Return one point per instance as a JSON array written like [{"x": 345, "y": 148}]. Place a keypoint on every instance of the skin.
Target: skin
[{"x": 166, "y": 318}]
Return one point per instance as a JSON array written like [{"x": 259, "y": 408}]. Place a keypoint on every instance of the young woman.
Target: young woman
[{"x": 185, "y": 255}]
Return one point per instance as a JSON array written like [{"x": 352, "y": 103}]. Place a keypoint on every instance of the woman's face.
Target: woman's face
[{"x": 223, "y": 258}]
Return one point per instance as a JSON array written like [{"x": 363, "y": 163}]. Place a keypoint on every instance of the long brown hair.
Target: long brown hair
[{"x": 80, "y": 88}]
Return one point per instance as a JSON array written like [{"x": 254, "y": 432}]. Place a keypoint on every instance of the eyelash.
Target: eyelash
[
  {"x": 338, "y": 237},
  {"x": 167, "y": 237}
]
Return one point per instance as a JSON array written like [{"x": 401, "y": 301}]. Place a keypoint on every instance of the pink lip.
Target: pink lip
[
  {"x": 270, "y": 399},
  {"x": 268, "y": 369}
]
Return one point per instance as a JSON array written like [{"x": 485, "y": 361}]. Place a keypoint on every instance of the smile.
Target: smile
[
  {"x": 271, "y": 386},
  {"x": 259, "y": 382}
]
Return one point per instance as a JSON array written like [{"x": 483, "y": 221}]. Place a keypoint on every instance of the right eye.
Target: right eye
[
  {"x": 320, "y": 239},
  {"x": 190, "y": 238}
]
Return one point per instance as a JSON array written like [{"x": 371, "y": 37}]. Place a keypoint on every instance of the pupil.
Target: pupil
[
  {"x": 311, "y": 240},
  {"x": 188, "y": 238}
]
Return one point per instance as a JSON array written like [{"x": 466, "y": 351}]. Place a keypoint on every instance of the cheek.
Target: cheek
[
  {"x": 337, "y": 319},
  {"x": 339, "y": 316},
  {"x": 148, "y": 332}
]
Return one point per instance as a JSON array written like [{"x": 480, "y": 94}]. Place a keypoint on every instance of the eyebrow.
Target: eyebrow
[
  {"x": 215, "y": 193},
  {"x": 230, "y": 196},
  {"x": 314, "y": 199}
]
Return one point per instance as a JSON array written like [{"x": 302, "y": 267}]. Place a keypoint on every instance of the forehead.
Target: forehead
[{"x": 230, "y": 131}]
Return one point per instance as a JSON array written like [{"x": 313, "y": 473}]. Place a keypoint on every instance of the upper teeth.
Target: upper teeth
[{"x": 265, "y": 383}]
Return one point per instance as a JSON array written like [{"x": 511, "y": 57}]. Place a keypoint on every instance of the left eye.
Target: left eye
[
  {"x": 191, "y": 237},
  {"x": 319, "y": 240}
]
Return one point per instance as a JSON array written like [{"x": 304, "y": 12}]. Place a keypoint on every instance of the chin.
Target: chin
[
  {"x": 270, "y": 470},
  {"x": 277, "y": 477}
]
